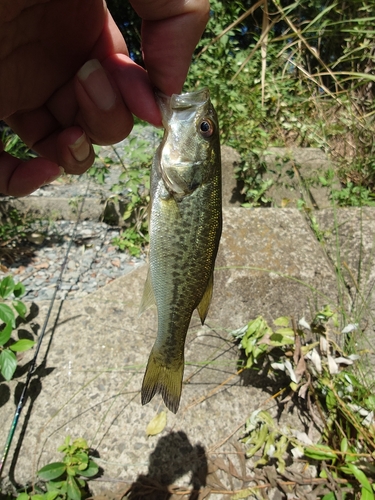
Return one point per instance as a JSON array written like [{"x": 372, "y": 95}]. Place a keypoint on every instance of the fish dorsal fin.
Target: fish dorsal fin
[
  {"x": 204, "y": 304},
  {"x": 148, "y": 298}
]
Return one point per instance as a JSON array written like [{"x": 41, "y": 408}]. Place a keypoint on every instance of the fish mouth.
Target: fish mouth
[
  {"x": 168, "y": 104},
  {"x": 198, "y": 98}
]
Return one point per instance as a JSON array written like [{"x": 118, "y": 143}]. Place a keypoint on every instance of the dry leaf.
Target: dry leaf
[{"x": 157, "y": 424}]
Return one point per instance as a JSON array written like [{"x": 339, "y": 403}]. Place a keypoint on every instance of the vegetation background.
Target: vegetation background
[{"x": 294, "y": 73}]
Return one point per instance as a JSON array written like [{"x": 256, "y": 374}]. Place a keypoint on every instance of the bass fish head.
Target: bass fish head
[{"x": 190, "y": 150}]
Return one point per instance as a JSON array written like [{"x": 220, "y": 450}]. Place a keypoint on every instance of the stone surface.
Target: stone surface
[
  {"x": 294, "y": 173},
  {"x": 93, "y": 358},
  {"x": 48, "y": 201},
  {"x": 348, "y": 239},
  {"x": 58, "y": 208},
  {"x": 230, "y": 160}
]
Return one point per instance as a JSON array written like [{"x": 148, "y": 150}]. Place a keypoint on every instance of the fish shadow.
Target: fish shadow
[{"x": 173, "y": 457}]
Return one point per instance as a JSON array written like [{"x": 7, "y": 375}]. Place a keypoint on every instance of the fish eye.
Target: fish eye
[{"x": 206, "y": 128}]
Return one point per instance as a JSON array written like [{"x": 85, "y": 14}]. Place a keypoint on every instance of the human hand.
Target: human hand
[{"x": 60, "y": 113}]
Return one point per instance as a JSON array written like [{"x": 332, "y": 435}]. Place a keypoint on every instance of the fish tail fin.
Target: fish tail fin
[{"x": 162, "y": 379}]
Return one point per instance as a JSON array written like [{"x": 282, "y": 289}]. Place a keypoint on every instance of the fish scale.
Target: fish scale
[{"x": 185, "y": 229}]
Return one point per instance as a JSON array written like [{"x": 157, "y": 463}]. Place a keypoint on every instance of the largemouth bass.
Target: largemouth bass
[{"x": 185, "y": 229}]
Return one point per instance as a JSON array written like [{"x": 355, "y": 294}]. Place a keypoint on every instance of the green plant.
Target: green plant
[
  {"x": 322, "y": 374},
  {"x": 297, "y": 75},
  {"x": 9, "y": 312},
  {"x": 14, "y": 225},
  {"x": 100, "y": 169},
  {"x": 354, "y": 196},
  {"x": 132, "y": 191},
  {"x": 66, "y": 480},
  {"x": 131, "y": 240}
]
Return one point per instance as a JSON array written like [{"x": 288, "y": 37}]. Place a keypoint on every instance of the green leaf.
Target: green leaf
[
  {"x": 52, "y": 471},
  {"x": 20, "y": 307},
  {"x": 8, "y": 364},
  {"x": 56, "y": 486},
  {"x": 5, "y": 334},
  {"x": 344, "y": 445},
  {"x": 320, "y": 452},
  {"x": 91, "y": 470},
  {"x": 73, "y": 491},
  {"x": 83, "y": 460},
  {"x": 331, "y": 400},
  {"x": 72, "y": 470},
  {"x": 64, "y": 447},
  {"x": 23, "y": 496},
  {"x": 361, "y": 478},
  {"x": 50, "y": 495},
  {"x": 81, "y": 443},
  {"x": 280, "y": 339},
  {"x": 285, "y": 331},
  {"x": 6, "y": 287},
  {"x": 22, "y": 345},
  {"x": 370, "y": 402},
  {"x": 329, "y": 496},
  {"x": 282, "y": 321},
  {"x": 366, "y": 495},
  {"x": 19, "y": 290},
  {"x": 81, "y": 482},
  {"x": 6, "y": 314}
]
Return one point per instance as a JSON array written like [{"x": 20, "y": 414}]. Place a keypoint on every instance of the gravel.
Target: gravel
[{"x": 93, "y": 260}]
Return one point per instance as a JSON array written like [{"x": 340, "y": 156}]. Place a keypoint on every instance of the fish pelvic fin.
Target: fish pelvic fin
[
  {"x": 205, "y": 302},
  {"x": 148, "y": 298},
  {"x": 164, "y": 380}
]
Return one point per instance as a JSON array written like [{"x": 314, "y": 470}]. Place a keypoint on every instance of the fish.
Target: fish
[{"x": 185, "y": 225}]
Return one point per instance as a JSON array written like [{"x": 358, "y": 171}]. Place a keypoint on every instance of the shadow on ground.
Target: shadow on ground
[{"x": 173, "y": 457}]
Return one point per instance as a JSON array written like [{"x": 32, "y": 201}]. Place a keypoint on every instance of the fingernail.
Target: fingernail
[
  {"x": 54, "y": 177},
  {"x": 81, "y": 148},
  {"x": 94, "y": 79}
]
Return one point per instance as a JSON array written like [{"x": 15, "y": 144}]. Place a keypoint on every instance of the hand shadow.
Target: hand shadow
[{"x": 173, "y": 457}]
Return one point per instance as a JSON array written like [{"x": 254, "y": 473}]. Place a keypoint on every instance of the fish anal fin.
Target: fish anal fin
[
  {"x": 205, "y": 302},
  {"x": 164, "y": 380},
  {"x": 148, "y": 298}
]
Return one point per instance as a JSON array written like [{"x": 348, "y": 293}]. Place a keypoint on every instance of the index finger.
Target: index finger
[{"x": 170, "y": 32}]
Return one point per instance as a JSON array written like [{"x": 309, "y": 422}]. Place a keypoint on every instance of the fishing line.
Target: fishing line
[{"x": 33, "y": 365}]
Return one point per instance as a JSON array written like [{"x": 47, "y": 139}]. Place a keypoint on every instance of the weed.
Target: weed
[
  {"x": 66, "y": 480},
  {"x": 14, "y": 225},
  {"x": 276, "y": 78},
  {"x": 354, "y": 196},
  {"x": 131, "y": 191},
  {"x": 131, "y": 240},
  {"x": 9, "y": 312},
  {"x": 318, "y": 372}
]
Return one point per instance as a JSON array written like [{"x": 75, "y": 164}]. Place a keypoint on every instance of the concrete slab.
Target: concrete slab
[
  {"x": 58, "y": 208},
  {"x": 348, "y": 238},
  {"x": 96, "y": 349},
  {"x": 62, "y": 200},
  {"x": 295, "y": 175}
]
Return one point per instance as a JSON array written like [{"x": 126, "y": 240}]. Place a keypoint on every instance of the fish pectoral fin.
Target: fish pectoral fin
[
  {"x": 162, "y": 379},
  {"x": 204, "y": 304},
  {"x": 148, "y": 298}
]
